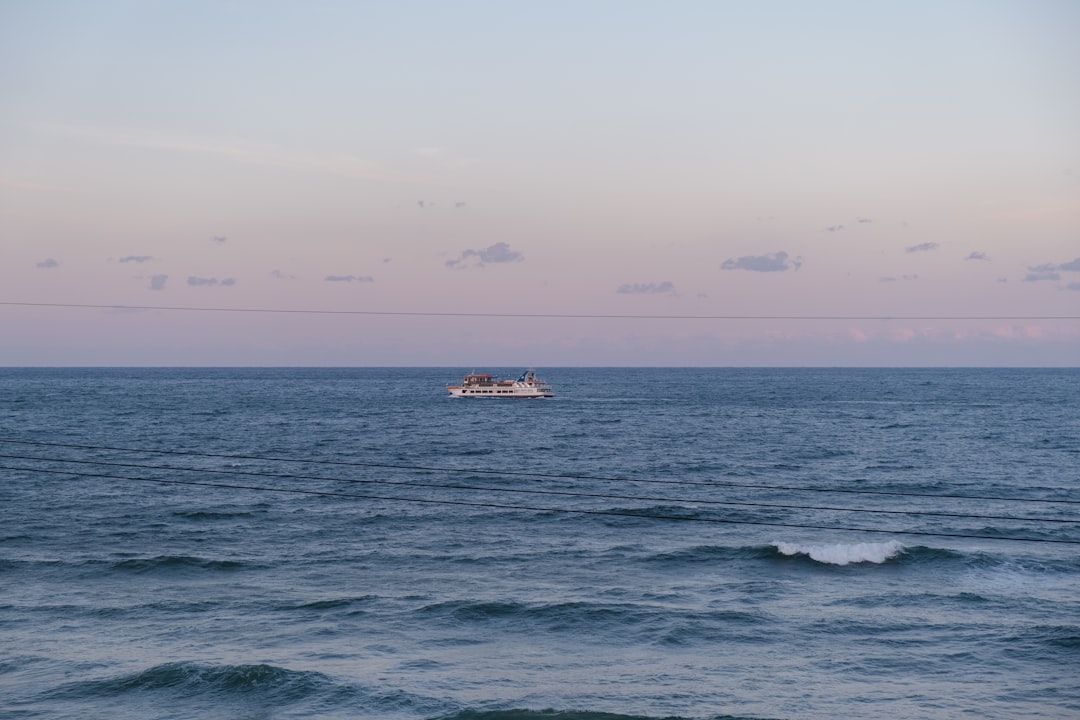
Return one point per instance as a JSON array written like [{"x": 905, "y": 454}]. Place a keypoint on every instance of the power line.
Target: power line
[
  {"x": 550, "y": 476},
  {"x": 564, "y": 316},
  {"x": 576, "y": 511},
  {"x": 528, "y": 491}
]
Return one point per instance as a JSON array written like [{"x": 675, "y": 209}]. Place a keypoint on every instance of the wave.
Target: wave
[
  {"x": 549, "y": 617},
  {"x": 1060, "y": 643},
  {"x": 844, "y": 553},
  {"x": 259, "y": 689},
  {"x": 160, "y": 563},
  {"x": 210, "y": 515},
  {"x": 186, "y": 678},
  {"x": 631, "y": 623},
  {"x": 556, "y": 614},
  {"x": 707, "y": 554},
  {"x": 832, "y": 554},
  {"x": 971, "y": 558},
  {"x": 331, "y": 603},
  {"x": 522, "y": 714},
  {"x": 177, "y": 562},
  {"x": 620, "y": 515}
]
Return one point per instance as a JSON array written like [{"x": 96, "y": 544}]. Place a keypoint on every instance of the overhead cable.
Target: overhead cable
[
  {"x": 551, "y": 476},
  {"x": 577, "y": 511},
  {"x": 565, "y": 316},
  {"x": 529, "y": 491}
]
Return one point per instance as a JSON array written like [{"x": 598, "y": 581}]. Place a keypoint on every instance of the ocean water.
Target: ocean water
[{"x": 651, "y": 543}]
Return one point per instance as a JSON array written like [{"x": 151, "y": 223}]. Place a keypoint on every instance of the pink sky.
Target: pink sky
[{"x": 699, "y": 159}]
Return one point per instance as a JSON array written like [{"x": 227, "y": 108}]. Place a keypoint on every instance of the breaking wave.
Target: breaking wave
[{"x": 843, "y": 553}]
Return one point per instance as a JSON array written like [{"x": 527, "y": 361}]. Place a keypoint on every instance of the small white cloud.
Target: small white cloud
[
  {"x": 47, "y": 263},
  {"x": 500, "y": 252},
  {"x": 136, "y": 258},
  {"x": 922, "y": 247},
  {"x": 157, "y": 282},
  {"x": 349, "y": 278},
  {"x": 777, "y": 262},
  {"x": 209, "y": 282},
  {"x": 977, "y": 256}
]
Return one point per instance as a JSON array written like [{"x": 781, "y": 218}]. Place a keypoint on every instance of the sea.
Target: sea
[{"x": 697, "y": 543}]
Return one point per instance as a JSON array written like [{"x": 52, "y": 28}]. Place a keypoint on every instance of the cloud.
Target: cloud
[
  {"x": 500, "y": 252},
  {"x": 778, "y": 262},
  {"x": 459, "y": 204},
  {"x": 834, "y": 228},
  {"x": 209, "y": 282},
  {"x": 278, "y": 275},
  {"x": 1071, "y": 266},
  {"x": 891, "y": 278},
  {"x": 136, "y": 258},
  {"x": 1051, "y": 271},
  {"x": 47, "y": 263},
  {"x": 864, "y": 220},
  {"x": 1075, "y": 286},
  {"x": 157, "y": 282},
  {"x": 349, "y": 278},
  {"x": 647, "y": 288},
  {"x": 218, "y": 239},
  {"x": 923, "y": 247},
  {"x": 977, "y": 256}
]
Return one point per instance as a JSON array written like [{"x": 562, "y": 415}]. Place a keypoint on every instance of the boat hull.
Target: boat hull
[{"x": 497, "y": 393}]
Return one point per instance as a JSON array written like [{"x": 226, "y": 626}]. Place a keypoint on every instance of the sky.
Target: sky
[{"x": 493, "y": 184}]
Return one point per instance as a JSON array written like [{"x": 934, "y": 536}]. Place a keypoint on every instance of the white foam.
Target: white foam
[{"x": 841, "y": 554}]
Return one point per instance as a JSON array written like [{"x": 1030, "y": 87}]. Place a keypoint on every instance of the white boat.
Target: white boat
[{"x": 481, "y": 385}]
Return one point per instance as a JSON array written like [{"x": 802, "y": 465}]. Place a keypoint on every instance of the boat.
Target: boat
[{"x": 482, "y": 385}]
